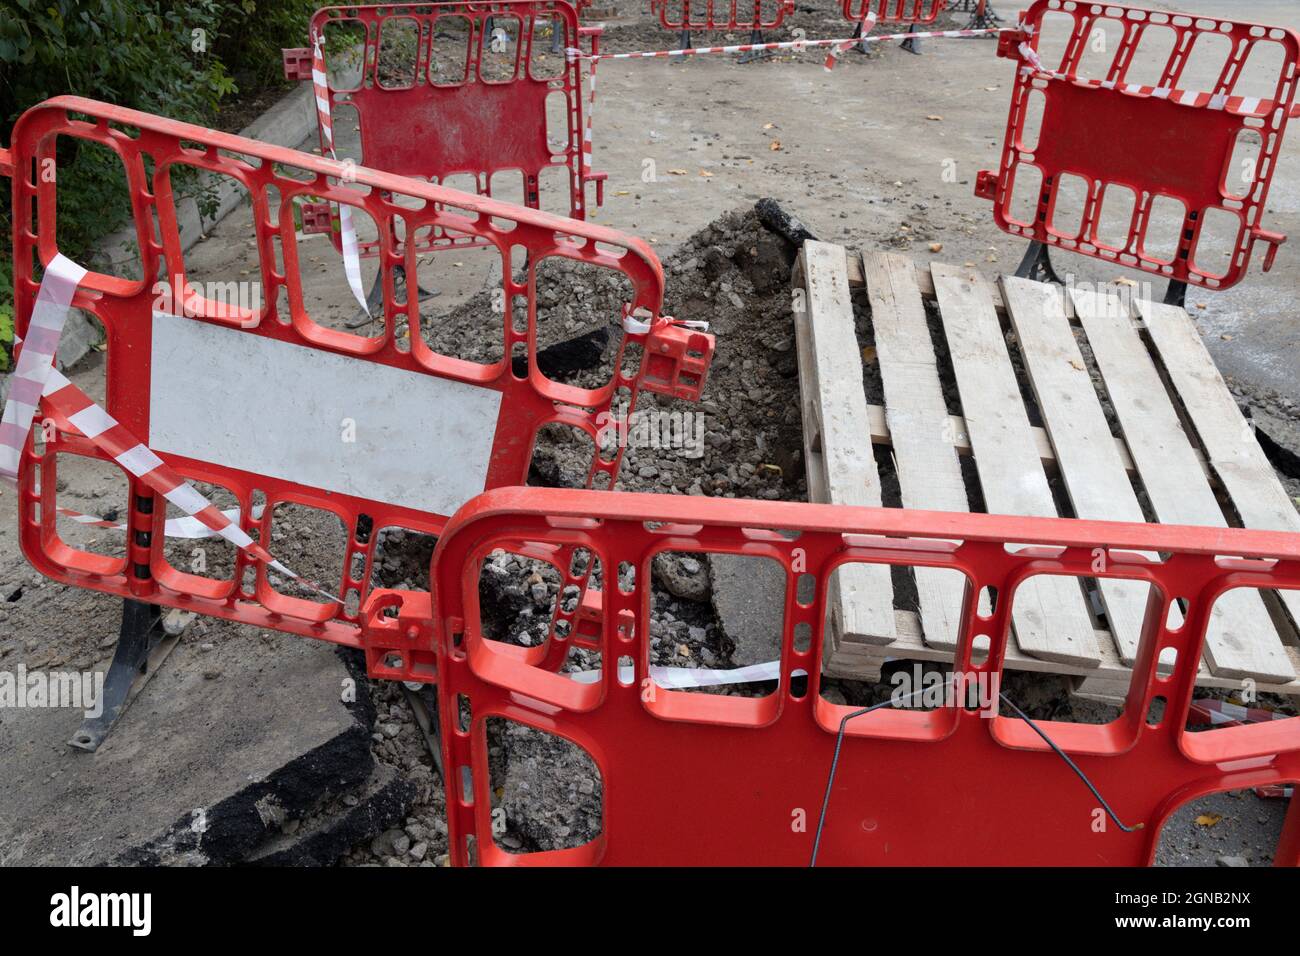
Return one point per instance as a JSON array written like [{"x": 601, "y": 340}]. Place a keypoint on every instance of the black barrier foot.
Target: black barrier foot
[
  {"x": 424, "y": 706},
  {"x": 858, "y": 35},
  {"x": 984, "y": 18},
  {"x": 375, "y": 299},
  {"x": 911, "y": 44},
  {"x": 1037, "y": 265},
  {"x": 683, "y": 43},
  {"x": 144, "y": 640},
  {"x": 399, "y": 284},
  {"x": 752, "y": 55},
  {"x": 1176, "y": 293}
]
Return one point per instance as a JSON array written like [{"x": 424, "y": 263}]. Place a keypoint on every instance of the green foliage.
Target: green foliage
[
  {"x": 6, "y": 335},
  {"x": 138, "y": 53},
  {"x": 254, "y": 31},
  {"x": 6, "y": 314},
  {"x": 176, "y": 58}
]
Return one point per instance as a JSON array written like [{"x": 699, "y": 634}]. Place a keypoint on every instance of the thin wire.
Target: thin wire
[
  {"x": 839, "y": 742},
  {"x": 835, "y": 760},
  {"x": 1071, "y": 764}
]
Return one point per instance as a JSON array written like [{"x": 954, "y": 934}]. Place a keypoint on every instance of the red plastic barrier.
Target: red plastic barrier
[
  {"x": 224, "y": 393},
  {"x": 893, "y": 11},
  {"x": 945, "y": 786},
  {"x": 1149, "y": 118},
  {"x": 464, "y": 88},
  {"x": 721, "y": 14}
]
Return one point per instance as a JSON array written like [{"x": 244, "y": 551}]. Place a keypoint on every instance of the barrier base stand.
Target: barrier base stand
[
  {"x": 911, "y": 44},
  {"x": 144, "y": 640},
  {"x": 859, "y": 47},
  {"x": 424, "y": 706},
  {"x": 683, "y": 43},
  {"x": 987, "y": 20},
  {"x": 375, "y": 298},
  {"x": 1176, "y": 293},
  {"x": 984, "y": 18},
  {"x": 754, "y": 37},
  {"x": 1037, "y": 265}
]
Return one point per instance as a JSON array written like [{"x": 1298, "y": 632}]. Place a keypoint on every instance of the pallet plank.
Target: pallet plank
[
  {"x": 1241, "y": 640},
  {"x": 1050, "y": 619},
  {"x": 862, "y": 595},
  {"x": 860, "y": 661},
  {"x": 929, "y": 474},
  {"x": 1091, "y": 469},
  {"x": 1234, "y": 453}
]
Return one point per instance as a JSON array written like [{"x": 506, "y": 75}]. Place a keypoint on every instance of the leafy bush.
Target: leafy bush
[
  {"x": 254, "y": 31},
  {"x": 176, "y": 58}
]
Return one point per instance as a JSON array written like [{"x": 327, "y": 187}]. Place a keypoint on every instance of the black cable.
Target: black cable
[
  {"x": 835, "y": 760},
  {"x": 839, "y": 742},
  {"x": 1071, "y": 764}
]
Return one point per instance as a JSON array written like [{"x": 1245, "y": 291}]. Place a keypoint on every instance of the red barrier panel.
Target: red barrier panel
[
  {"x": 1144, "y": 138},
  {"x": 948, "y": 786},
  {"x": 721, "y": 14},
  {"x": 478, "y": 89},
  {"x": 893, "y": 11},
  {"x": 277, "y": 407}
]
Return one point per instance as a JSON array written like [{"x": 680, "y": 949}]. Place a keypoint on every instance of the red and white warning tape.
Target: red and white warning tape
[
  {"x": 837, "y": 45},
  {"x": 186, "y": 527},
  {"x": 868, "y": 24},
  {"x": 682, "y": 678},
  {"x": 35, "y": 377},
  {"x": 351, "y": 251},
  {"x": 36, "y": 360},
  {"x": 591, "y": 111},
  {"x": 1240, "y": 105},
  {"x": 1209, "y": 712},
  {"x": 1219, "y": 713}
]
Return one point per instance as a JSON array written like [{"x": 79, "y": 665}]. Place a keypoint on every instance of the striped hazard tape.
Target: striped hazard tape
[
  {"x": 683, "y": 678},
  {"x": 35, "y": 377},
  {"x": 348, "y": 233},
  {"x": 837, "y": 46},
  {"x": 1241, "y": 105},
  {"x": 868, "y": 24},
  {"x": 186, "y": 527},
  {"x": 1210, "y": 712},
  {"x": 1221, "y": 713}
]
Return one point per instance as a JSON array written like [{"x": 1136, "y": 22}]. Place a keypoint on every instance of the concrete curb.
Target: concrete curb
[{"x": 288, "y": 123}]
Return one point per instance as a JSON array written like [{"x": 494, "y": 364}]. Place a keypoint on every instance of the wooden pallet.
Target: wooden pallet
[{"x": 1179, "y": 446}]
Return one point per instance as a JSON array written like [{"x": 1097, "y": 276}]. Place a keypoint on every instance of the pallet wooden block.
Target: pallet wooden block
[
  {"x": 1150, "y": 366},
  {"x": 864, "y": 611},
  {"x": 1050, "y": 618},
  {"x": 928, "y": 470}
]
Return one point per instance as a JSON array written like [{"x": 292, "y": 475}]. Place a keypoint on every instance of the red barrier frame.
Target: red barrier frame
[
  {"x": 893, "y": 11},
  {"x": 1090, "y": 127},
  {"x": 765, "y": 760},
  {"x": 501, "y": 125},
  {"x": 693, "y": 15},
  {"x": 149, "y": 147}
]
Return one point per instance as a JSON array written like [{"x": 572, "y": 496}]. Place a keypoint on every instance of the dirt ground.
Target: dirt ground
[{"x": 881, "y": 152}]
